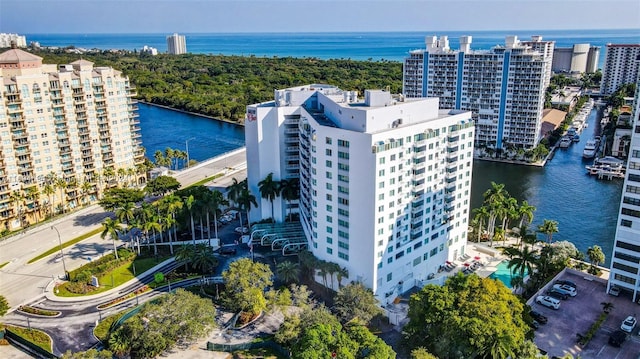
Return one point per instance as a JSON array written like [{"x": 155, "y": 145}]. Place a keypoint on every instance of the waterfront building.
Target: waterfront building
[
  {"x": 385, "y": 181},
  {"x": 503, "y": 87},
  {"x": 176, "y": 44},
  {"x": 621, "y": 63},
  {"x": 72, "y": 127},
  {"x": 7, "y": 39},
  {"x": 625, "y": 259},
  {"x": 148, "y": 50},
  {"x": 575, "y": 60}
]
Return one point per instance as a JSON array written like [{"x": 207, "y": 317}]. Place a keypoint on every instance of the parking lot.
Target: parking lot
[{"x": 576, "y": 315}]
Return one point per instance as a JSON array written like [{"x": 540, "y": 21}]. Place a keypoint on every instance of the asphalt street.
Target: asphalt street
[{"x": 23, "y": 283}]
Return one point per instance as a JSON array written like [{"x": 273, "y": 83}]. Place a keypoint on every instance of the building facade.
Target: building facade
[
  {"x": 621, "y": 63},
  {"x": 579, "y": 58},
  {"x": 7, "y": 39},
  {"x": 503, "y": 87},
  {"x": 176, "y": 44},
  {"x": 625, "y": 259},
  {"x": 67, "y": 133},
  {"x": 384, "y": 182}
]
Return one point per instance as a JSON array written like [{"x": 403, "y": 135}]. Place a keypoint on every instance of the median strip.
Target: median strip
[{"x": 66, "y": 244}]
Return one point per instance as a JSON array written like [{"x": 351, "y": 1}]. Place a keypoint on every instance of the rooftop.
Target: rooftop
[{"x": 15, "y": 56}]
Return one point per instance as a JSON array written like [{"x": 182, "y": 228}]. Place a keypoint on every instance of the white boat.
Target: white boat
[
  {"x": 590, "y": 149},
  {"x": 565, "y": 142}
]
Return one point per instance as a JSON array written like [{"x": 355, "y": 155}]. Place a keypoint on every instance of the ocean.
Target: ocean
[{"x": 376, "y": 46}]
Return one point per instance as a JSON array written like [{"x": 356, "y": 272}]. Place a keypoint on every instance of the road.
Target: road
[{"x": 23, "y": 283}]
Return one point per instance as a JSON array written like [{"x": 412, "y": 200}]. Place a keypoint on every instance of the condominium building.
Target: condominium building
[
  {"x": 578, "y": 59},
  {"x": 503, "y": 87},
  {"x": 176, "y": 44},
  {"x": 385, "y": 181},
  {"x": 625, "y": 259},
  {"x": 621, "y": 63},
  {"x": 7, "y": 39},
  {"x": 73, "y": 128}
]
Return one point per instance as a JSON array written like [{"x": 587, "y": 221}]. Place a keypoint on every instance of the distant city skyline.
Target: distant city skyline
[{"x": 231, "y": 16}]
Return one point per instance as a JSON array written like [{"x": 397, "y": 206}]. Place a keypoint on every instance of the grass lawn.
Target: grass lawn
[
  {"x": 206, "y": 180},
  {"x": 116, "y": 277},
  {"x": 35, "y": 336},
  {"x": 65, "y": 245},
  {"x": 101, "y": 331}
]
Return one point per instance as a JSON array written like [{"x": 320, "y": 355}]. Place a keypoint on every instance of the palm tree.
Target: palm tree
[
  {"x": 525, "y": 236},
  {"x": 526, "y": 213},
  {"x": 62, "y": 185},
  {"x": 522, "y": 261},
  {"x": 185, "y": 253},
  {"x": 481, "y": 214},
  {"x": 548, "y": 227},
  {"x": 494, "y": 199},
  {"x": 131, "y": 172},
  {"x": 269, "y": 189},
  {"x": 340, "y": 274},
  {"x": 322, "y": 271},
  {"x": 86, "y": 188},
  {"x": 288, "y": 271},
  {"x": 245, "y": 201},
  {"x": 190, "y": 203},
  {"x": 607, "y": 307},
  {"x": 234, "y": 190},
  {"x": 203, "y": 259},
  {"x": 332, "y": 268},
  {"x": 49, "y": 191},
  {"x": 215, "y": 200},
  {"x": 152, "y": 225},
  {"x": 17, "y": 198},
  {"x": 596, "y": 256},
  {"x": 169, "y": 154},
  {"x": 159, "y": 158},
  {"x": 290, "y": 191},
  {"x": 119, "y": 343},
  {"x": 111, "y": 227},
  {"x": 33, "y": 195}
]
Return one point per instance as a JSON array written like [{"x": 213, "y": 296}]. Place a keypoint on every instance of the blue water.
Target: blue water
[
  {"x": 503, "y": 273},
  {"x": 392, "y": 46},
  {"x": 161, "y": 128}
]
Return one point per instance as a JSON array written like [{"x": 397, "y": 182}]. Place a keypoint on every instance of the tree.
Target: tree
[
  {"x": 185, "y": 253},
  {"x": 61, "y": 183},
  {"x": 203, "y": 259},
  {"x": 115, "y": 198},
  {"x": 189, "y": 202},
  {"x": 290, "y": 191},
  {"x": 161, "y": 185},
  {"x": 522, "y": 261},
  {"x": 526, "y": 213},
  {"x": 422, "y": 353},
  {"x": 4, "y": 306},
  {"x": 596, "y": 256},
  {"x": 288, "y": 271},
  {"x": 245, "y": 283},
  {"x": 607, "y": 307},
  {"x": 234, "y": 190},
  {"x": 89, "y": 354},
  {"x": 467, "y": 317},
  {"x": 214, "y": 201},
  {"x": 269, "y": 189},
  {"x": 48, "y": 190},
  {"x": 356, "y": 302},
  {"x": 548, "y": 227},
  {"x": 245, "y": 201},
  {"x": 111, "y": 228}
]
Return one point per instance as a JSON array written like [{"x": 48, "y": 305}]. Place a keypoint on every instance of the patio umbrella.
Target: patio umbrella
[{"x": 476, "y": 258}]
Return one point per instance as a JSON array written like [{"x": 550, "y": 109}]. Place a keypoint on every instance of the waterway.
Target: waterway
[{"x": 586, "y": 208}]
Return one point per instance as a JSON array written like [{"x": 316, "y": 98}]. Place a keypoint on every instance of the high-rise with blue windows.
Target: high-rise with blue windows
[{"x": 503, "y": 87}]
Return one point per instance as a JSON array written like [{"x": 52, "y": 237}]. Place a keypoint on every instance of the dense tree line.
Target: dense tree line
[{"x": 221, "y": 86}]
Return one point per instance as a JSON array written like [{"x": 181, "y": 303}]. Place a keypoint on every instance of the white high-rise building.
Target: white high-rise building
[
  {"x": 625, "y": 259},
  {"x": 73, "y": 124},
  {"x": 621, "y": 63},
  {"x": 384, "y": 183},
  {"x": 503, "y": 87},
  {"x": 176, "y": 44},
  {"x": 7, "y": 39},
  {"x": 575, "y": 60}
]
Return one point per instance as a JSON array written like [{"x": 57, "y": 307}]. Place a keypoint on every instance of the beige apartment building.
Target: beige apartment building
[{"x": 67, "y": 133}]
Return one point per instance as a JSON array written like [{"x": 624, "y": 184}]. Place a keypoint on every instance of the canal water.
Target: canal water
[{"x": 586, "y": 208}]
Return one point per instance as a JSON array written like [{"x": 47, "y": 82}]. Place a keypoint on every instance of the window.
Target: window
[
  {"x": 625, "y": 223},
  {"x": 343, "y": 155},
  {"x": 381, "y": 160},
  {"x": 343, "y": 256},
  {"x": 329, "y": 251},
  {"x": 327, "y": 152},
  {"x": 328, "y": 163},
  {"x": 343, "y": 143},
  {"x": 389, "y": 277},
  {"x": 329, "y": 175},
  {"x": 327, "y": 140}
]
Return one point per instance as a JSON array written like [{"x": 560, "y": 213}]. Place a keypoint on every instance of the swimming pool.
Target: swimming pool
[{"x": 503, "y": 273}]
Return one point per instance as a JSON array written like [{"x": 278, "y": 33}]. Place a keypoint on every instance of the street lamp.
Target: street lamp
[
  {"x": 64, "y": 266},
  {"x": 187, "y": 145}
]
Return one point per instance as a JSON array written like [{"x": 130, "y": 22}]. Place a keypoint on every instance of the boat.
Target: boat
[
  {"x": 590, "y": 149},
  {"x": 565, "y": 142},
  {"x": 576, "y": 138}
]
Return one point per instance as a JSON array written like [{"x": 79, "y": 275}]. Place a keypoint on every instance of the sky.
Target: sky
[{"x": 216, "y": 16}]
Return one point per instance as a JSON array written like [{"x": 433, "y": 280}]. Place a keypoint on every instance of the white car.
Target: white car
[
  {"x": 614, "y": 291},
  {"x": 566, "y": 289},
  {"x": 628, "y": 324},
  {"x": 548, "y": 301}
]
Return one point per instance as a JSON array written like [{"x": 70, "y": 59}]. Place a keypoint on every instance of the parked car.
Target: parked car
[
  {"x": 628, "y": 324},
  {"x": 534, "y": 325},
  {"x": 548, "y": 301},
  {"x": 565, "y": 288},
  {"x": 227, "y": 250},
  {"x": 617, "y": 338},
  {"x": 242, "y": 230},
  {"x": 554, "y": 293},
  {"x": 614, "y": 291},
  {"x": 566, "y": 282},
  {"x": 538, "y": 317}
]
